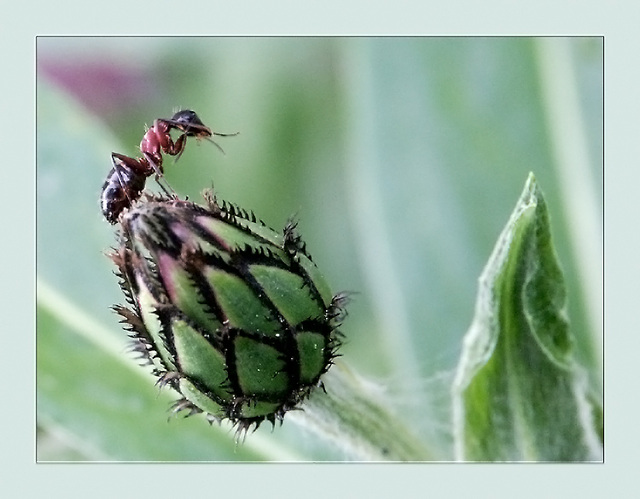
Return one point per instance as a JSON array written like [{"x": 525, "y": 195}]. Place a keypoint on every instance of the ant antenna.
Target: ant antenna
[{"x": 220, "y": 135}]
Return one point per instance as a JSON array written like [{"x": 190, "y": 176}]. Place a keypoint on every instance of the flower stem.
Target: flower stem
[{"x": 357, "y": 419}]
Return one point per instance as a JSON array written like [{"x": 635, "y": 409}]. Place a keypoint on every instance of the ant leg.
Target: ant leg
[
  {"x": 155, "y": 166},
  {"x": 133, "y": 164},
  {"x": 159, "y": 175},
  {"x": 120, "y": 166},
  {"x": 138, "y": 171},
  {"x": 166, "y": 189},
  {"x": 178, "y": 147}
]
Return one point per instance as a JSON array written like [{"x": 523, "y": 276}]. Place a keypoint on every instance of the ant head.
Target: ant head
[{"x": 189, "y": 123}]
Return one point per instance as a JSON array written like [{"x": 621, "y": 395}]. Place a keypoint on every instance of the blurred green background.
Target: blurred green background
[{"x": 401, "y": 157}]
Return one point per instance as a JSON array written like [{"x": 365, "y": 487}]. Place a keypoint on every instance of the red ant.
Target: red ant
[{"x": 126, "y": 180}]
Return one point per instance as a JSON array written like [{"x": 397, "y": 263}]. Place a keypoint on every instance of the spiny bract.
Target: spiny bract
[{"x": 233, "y": 315}]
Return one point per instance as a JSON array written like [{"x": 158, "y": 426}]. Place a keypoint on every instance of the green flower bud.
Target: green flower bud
[{"x": 233, "y": 315}]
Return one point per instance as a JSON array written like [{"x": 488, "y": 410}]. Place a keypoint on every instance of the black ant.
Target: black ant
[{"x": 126, "y": 180}]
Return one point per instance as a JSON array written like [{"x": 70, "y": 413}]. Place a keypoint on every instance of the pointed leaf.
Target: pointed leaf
[{"x": 518, "y": 394}]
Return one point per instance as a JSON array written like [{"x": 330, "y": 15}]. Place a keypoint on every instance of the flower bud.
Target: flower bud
[{"x": 233, "y": 315}]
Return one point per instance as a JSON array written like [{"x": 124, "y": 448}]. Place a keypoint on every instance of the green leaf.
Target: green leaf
[{"x": 518, "y": 393}]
